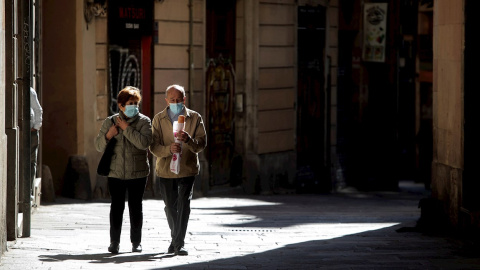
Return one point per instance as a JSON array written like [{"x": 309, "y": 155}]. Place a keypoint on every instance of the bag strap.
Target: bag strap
[{"x": 111, "y": 118}]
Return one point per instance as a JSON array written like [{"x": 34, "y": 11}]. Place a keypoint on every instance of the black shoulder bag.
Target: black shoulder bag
[{"x": 104, "y": 164}]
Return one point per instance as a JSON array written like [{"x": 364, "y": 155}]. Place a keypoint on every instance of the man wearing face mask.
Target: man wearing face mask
[
  {"x": 129, "y": 168},
  {"x": 177, "y": 189}
]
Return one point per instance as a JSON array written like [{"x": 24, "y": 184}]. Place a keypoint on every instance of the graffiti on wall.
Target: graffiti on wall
[
  {"x": 124, "y": 70},
  {"x": 220, "y": 92}
]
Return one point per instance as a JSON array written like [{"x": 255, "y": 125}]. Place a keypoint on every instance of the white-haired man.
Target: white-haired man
[{"x": 177, "y": 189}]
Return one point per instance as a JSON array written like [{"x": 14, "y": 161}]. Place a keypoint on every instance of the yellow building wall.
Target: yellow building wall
[
  {"x": 59, "y": 87},
  {"x": 447, "y": 167},
  {"x": 171, "y": 52},
  {"x": 276, "y": 76}
]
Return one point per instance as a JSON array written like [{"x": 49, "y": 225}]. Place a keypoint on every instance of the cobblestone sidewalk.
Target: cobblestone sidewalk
[{"x": 342, "y": 231}]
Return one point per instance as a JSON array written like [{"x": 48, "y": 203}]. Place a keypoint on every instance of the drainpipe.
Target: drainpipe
[
  {"x": 26, "y": 29},
  {"x": 327, "y": 158},
  {"x": 190, "y": 52}
]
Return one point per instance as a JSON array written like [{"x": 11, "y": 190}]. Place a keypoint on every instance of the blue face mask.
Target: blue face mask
[
  {"x": 131, "y": 110},
  {"x": 176, "y": 107}
]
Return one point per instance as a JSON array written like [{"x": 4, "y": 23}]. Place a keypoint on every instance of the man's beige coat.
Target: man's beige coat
[{"x": 163, "y": 138}]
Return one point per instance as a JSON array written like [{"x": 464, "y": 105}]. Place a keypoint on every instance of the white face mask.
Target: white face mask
[{"x": 176, "y": 107}]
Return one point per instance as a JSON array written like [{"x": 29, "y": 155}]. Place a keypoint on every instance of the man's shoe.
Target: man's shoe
[
  {"x": 181, "y": 251},
  {"x": 136, "y": 247},
  {"x": 171, "y": 249},
  {"x": 114, "y": 247}
]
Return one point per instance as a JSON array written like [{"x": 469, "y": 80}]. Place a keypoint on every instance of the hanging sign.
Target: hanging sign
[
  {"x": 374, "y": 32},
  {"x": 128, "y": 17}
]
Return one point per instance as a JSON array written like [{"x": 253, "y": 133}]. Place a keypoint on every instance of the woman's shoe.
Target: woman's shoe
[
  {"x": 114, "y": 247},
  {"x": 136, "y": 247},
  {"x": 181, "y": 251}
]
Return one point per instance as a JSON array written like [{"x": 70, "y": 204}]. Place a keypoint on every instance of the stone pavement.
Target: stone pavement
[{"x": 349, "y": 230}]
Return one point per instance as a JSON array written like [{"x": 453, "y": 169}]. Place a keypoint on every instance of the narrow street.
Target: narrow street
[{"x": 351, "y": 230}]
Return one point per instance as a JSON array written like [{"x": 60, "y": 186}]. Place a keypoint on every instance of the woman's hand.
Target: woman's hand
[
  {"x": 112, "y": 132},
  {"x": 122, "y": 123},
  {"x": 175, "y": 148}
]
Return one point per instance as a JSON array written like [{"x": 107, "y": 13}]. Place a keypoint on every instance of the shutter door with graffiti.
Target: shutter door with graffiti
[{"x": 220, "y": 83}]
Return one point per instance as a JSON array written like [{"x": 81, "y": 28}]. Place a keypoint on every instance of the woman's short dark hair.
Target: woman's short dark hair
[{"x": 127, "y": 93}]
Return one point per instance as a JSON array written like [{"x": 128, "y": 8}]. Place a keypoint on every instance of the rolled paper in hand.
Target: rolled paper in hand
[
  {"x": 177, "y": 126},
  {"x": 181, "y": 119}
]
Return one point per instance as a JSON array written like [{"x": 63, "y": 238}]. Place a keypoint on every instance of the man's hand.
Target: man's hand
[
  {"x": 175, "y": 148},
  {"x": 183, "y": 136}
]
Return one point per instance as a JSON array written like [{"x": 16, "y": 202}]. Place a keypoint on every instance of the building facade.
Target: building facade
[
  {"x": 289, "y": 99},
  {"x": 238, "y": 61}
]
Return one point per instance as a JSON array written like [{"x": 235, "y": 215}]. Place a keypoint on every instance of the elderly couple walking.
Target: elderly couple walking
[{"x": 135, "y": 135}]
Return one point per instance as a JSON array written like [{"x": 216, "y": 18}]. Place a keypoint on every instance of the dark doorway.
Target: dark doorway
[
  {"x": 220, "y": 88},
  {"x": 221, "y": 29},
  {"x": 424, "y": 127},
  {"x": 129, "y": 50},
  {"x": 470, "y": 184},
  {"x": 312, "y": 175}
]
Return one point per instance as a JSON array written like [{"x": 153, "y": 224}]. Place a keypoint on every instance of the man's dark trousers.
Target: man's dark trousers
[{"x": 177, "y": 194}]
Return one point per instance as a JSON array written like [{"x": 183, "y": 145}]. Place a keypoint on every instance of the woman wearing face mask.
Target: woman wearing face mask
[{"x": 129, "y": 168}]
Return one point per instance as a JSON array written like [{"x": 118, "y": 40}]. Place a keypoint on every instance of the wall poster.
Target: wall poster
[{"x": 375, "y": 32}]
